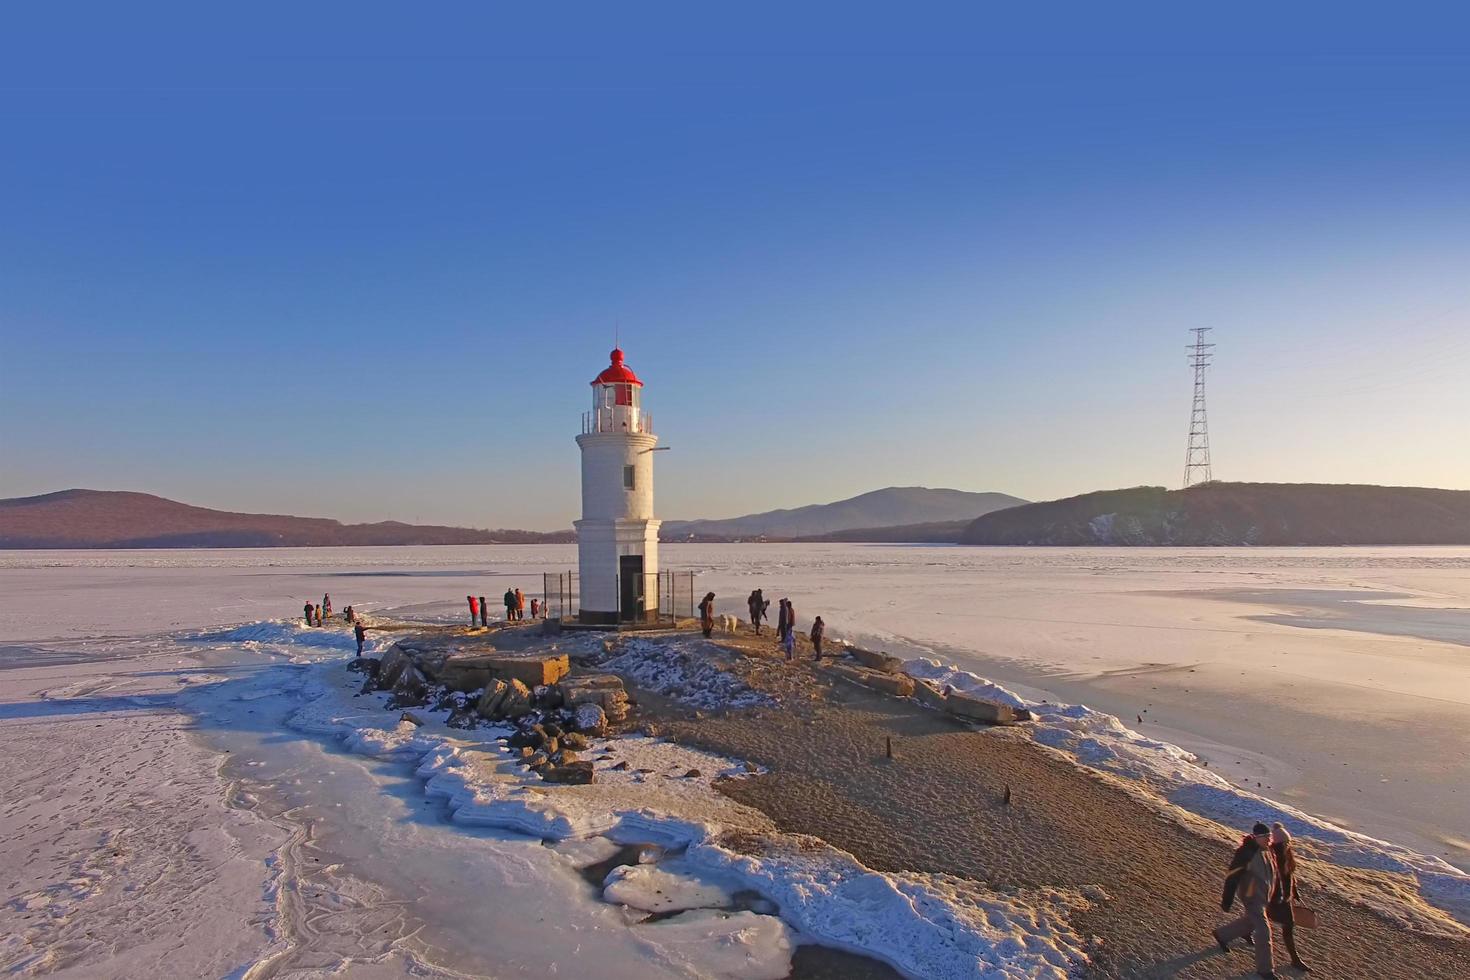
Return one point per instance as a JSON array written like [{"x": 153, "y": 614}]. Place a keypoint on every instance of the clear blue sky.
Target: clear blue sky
[{"x": 361, "y": 261}]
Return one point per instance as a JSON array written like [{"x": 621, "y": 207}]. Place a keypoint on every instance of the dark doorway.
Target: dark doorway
[{"x": 630, "y": 588}]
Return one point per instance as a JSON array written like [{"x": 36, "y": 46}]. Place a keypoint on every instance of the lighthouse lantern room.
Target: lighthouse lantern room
[{"x": 617, "y": 537}]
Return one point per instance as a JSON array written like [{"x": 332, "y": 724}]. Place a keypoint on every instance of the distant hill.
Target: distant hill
[
  {"x": 119, "y": 519},
  {"x": 934, "y": 532},
  {"x": 1236, "y": 514},
  {"x": 886, "y": 508}
]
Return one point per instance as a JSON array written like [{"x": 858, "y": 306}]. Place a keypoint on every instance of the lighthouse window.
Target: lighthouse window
[
  {"x": 625, "y": 394},
  {"x": 627, "y": 478}
]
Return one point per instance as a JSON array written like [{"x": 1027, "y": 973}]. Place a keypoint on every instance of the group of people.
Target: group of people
[
  {"x": 316, "y": 614},
  {"x": 515, "y": 608},
  {"x": 758, "y": 606},
  {"x": 1262, "y": 877}
]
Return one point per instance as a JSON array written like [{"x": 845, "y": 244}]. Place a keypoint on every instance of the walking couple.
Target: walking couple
[{"x": 1263, "y": 876}]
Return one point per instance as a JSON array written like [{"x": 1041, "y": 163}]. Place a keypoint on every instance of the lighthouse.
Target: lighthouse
[{"x": 617, "y": 537}]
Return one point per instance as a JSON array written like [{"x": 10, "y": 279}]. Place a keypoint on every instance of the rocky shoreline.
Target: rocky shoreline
[{"x": 890, "y": 768}]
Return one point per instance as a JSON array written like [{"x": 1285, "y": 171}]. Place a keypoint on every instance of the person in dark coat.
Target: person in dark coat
[
  {"x": 783, "y": 621},
  {"x": 819, "y": 629},
  {"x": 1280, "y": 910},
  {"x": 359, "y": 631},
  {"x": 307, "y": 611},
  {"x": 474, "y": 609},
  {"x": 707, "y": 614},
  {"x": 510, "y": 604},
  {"x": 349, "y": 615},
  {"x": 484, "y": 612},
  {"x": 757, "y": 606},
  {"x": 1251, "y": 879}
]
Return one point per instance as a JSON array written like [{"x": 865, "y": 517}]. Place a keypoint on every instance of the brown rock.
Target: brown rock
[
  {"x": 489, "y": 704},
  {"x": 574, "y": 773}
]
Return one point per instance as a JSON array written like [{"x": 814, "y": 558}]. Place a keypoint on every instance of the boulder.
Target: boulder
[
  {"x": 604, "y": 690},
  {"x": 590, "y": 719},
  {"x": 365, "y": 665},
  {"x": 463, "y": 717},
  {"x": 972, "y": 708},
  {"x": 410, "y": 690},
  {"x": 573, "y": 773},
  {"x": 536, "y": 760},
  {"x": 876, "y": 661},
  {"x": 526, "y": 736},
  {"x": 517, "y": 701},
  {"x": 568, "y": 756},
  {"x": 575, "y": 741},
  {"x": 489, "y": 704},
  {"x": 412, "y": 719},
  {"x": 394, "y": 663},
  {"x": 552, "y": 745}
]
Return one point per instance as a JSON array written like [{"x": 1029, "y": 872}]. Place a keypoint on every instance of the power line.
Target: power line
[{"x": 1197, "y": 457}]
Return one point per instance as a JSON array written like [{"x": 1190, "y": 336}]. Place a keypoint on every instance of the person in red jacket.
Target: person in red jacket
[{"x": 474, "y": 609}]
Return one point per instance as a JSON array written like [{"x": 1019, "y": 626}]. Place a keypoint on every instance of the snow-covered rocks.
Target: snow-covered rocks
[
  {"x": 590, "y": 718},
  {"x": 685, "y": 669}
]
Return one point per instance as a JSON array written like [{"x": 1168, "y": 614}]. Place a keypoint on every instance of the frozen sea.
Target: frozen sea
[{"x": 1333, "y": 680}]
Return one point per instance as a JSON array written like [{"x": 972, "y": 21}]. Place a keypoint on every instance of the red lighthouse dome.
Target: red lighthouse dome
[{"x": 617, "y": 372}]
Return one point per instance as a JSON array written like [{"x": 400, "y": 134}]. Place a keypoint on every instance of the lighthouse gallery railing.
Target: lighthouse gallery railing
[{"x": 606, "y": 420}]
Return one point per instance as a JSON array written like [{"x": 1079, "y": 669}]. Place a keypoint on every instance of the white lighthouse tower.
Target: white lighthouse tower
[{"x": 617, "y": 537}]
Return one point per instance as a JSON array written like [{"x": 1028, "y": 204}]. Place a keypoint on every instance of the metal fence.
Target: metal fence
[
  {"x": 559, "y": 594},
  {"x": 672, "y": 590}
]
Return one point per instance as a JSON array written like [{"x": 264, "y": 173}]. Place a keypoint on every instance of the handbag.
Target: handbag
[{"x": 1303, "y": 916}]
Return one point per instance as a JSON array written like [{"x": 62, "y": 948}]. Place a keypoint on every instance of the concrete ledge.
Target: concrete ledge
[
  {"x": 986, "y": 712},
  {"x": 472, "y": 671},
  {"x": 899, "y": 685},
  {"x": 876, "y": 661}
]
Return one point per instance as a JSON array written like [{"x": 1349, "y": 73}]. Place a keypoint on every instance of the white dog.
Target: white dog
[{"x": 729, "y": 623}]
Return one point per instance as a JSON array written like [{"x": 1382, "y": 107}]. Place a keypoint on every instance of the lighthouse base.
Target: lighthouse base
[{"x": 618, "y": 571}]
